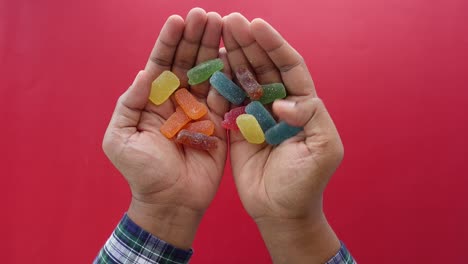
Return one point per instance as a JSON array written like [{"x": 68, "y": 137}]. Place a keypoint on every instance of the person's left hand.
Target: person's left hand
[{"x": 281, "y": 187}]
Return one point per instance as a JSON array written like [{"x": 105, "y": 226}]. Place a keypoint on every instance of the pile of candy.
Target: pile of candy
[{"x": 253, "y": 120}]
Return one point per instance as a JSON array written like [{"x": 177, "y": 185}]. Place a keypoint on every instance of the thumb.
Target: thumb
[
  {"x": 130, "y": 104},
  {"x": 127, "y": 114},
  {"x": 320, "y": 131},
  {"x": 298, "y": 111}
]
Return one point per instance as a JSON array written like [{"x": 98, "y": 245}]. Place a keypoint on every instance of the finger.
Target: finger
[
  {"x": 227, "y": 66},
  {"x": 219, "y": 131},
  {"x": 161, "y": 59},
  {"x": 187, "y": 50},
  {"x": 162, "y": 55},
  {"x": 209, "y": 49},
  {"x": 236, "y": 56},
  {"x": 215, "y": 101},
  {"x": 131, "y": 103},
  {"x": 235, "y": 136},
  {"x": 264, "y": 68},
  {"x": 310, "y": 113},
  {"x": 290, "y": 63}
]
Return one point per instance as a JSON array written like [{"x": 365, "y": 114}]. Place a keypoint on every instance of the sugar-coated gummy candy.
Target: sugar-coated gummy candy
[
  {"x": 174, "y": 123},
  {"x": 203, "y": 71},
  {"x": 163, "y": 86},
  {"x": 204, "y": 126},
  {"x": 196, "y": 140},
  {"x": 249, "y": 84},
  {"x": 191, "y": 106},
  {"x": 250, "y": 129},
  {"x": 271, "y": 92},
  {"x": 262, "y": 115},
  {"x": 229, "y": 121},
  {"x": 281, "y": 132},
  {"x": 227, "y": 88}
]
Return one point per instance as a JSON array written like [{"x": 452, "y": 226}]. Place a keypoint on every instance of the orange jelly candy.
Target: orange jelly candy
[
  {"x": 189, "y": 104},
  {"x": 174, "y": 123},
  {"x": 205, "y": 127}
]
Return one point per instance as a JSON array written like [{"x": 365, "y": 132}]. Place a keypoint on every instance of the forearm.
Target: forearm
[{"x": 299, "y": 240}]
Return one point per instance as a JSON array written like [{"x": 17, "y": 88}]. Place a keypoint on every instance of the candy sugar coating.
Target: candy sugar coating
[
  {"x": 227, "y": 88},
  {"x": 250, "y": 129},
  {"x": 204, "y": 126},
  {"x": 229, "y": 121},
  {"x": 191, "y": 106},
  {"x": 174, "y": 123},
  {"x": 196, "y": 140},
  {"x": 280, "y": 133},
  {"x": 271, "y": 92},
  {"x": 163, "y": 86},
  {"x": 262, "y": 115},
  {"x": 249, "y": 84},
  {"x": 203, "y": 71}
]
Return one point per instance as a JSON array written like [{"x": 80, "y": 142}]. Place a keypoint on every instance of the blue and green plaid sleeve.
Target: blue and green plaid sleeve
[
  {"x": 342, "y": 257},
  {"x": 129, "y": 243}
]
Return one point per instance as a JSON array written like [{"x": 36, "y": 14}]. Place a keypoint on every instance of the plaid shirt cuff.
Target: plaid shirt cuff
[
  {"x": 129, "y": 243},
  {"x": 342, "y": 257}
]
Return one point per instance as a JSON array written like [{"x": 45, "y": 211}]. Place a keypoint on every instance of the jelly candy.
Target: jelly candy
[
  {"x": 250, "y": 129},
  {"x": 271, "y": 92},
  {"x": 203, "y": 71},
  {"x": 174, "y": 123},
  {"x": 227, "y": 88},
  {"x": 249, "y": 84},
  {"x": 280, "y": 133},
  {"x": 229, "y": 121},
  {"x": 204, "y": 126},
  {"x": 196, "y": 140},
  {"x": 163, "y": 87},
  {"x": 191, "y": 106},
  {"x": 262, "y": 115}
]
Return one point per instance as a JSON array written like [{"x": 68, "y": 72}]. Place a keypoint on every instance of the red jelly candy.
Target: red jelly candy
[
  {"x": 229, "y": 121},
  {"x": 249, "y": 84},
  {"x": 196, "y": 140}
]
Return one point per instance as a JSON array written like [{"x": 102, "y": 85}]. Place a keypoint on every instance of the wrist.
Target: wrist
[
  {"x": 176, "y": 225},
  {"x": 299, "y": 240}
]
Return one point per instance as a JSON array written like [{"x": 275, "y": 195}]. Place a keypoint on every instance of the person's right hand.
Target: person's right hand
[
  {"x": 171, "y": 185},
  {"x": 281, "y": 187}
]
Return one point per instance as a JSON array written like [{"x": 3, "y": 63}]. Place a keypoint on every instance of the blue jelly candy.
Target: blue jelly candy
[
  {"x": 280, "y": 133},
  {"x": 262, "y": 115},
  {"x": 227, "y": 88}
]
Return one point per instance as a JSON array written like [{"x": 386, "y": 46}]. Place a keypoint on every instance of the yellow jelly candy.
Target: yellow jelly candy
[
  {"x": 163, "y": 87},
  {"x": 250, "y": 129}
]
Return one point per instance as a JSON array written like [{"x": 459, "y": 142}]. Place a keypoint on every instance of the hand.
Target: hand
[
  {"x": 171, "y": 185},
  {"x": 282, "y": 187}
]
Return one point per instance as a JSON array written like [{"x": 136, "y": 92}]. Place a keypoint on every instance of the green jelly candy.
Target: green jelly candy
[
  {"x": 271, "y": 92},
  {"x": 203, "y": 71}
]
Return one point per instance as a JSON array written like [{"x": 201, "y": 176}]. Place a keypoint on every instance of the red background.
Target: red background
[{"x": 394, "y": 75}]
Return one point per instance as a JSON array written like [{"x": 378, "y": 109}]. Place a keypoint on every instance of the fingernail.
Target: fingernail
[{"x": 285, "y": 104}]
